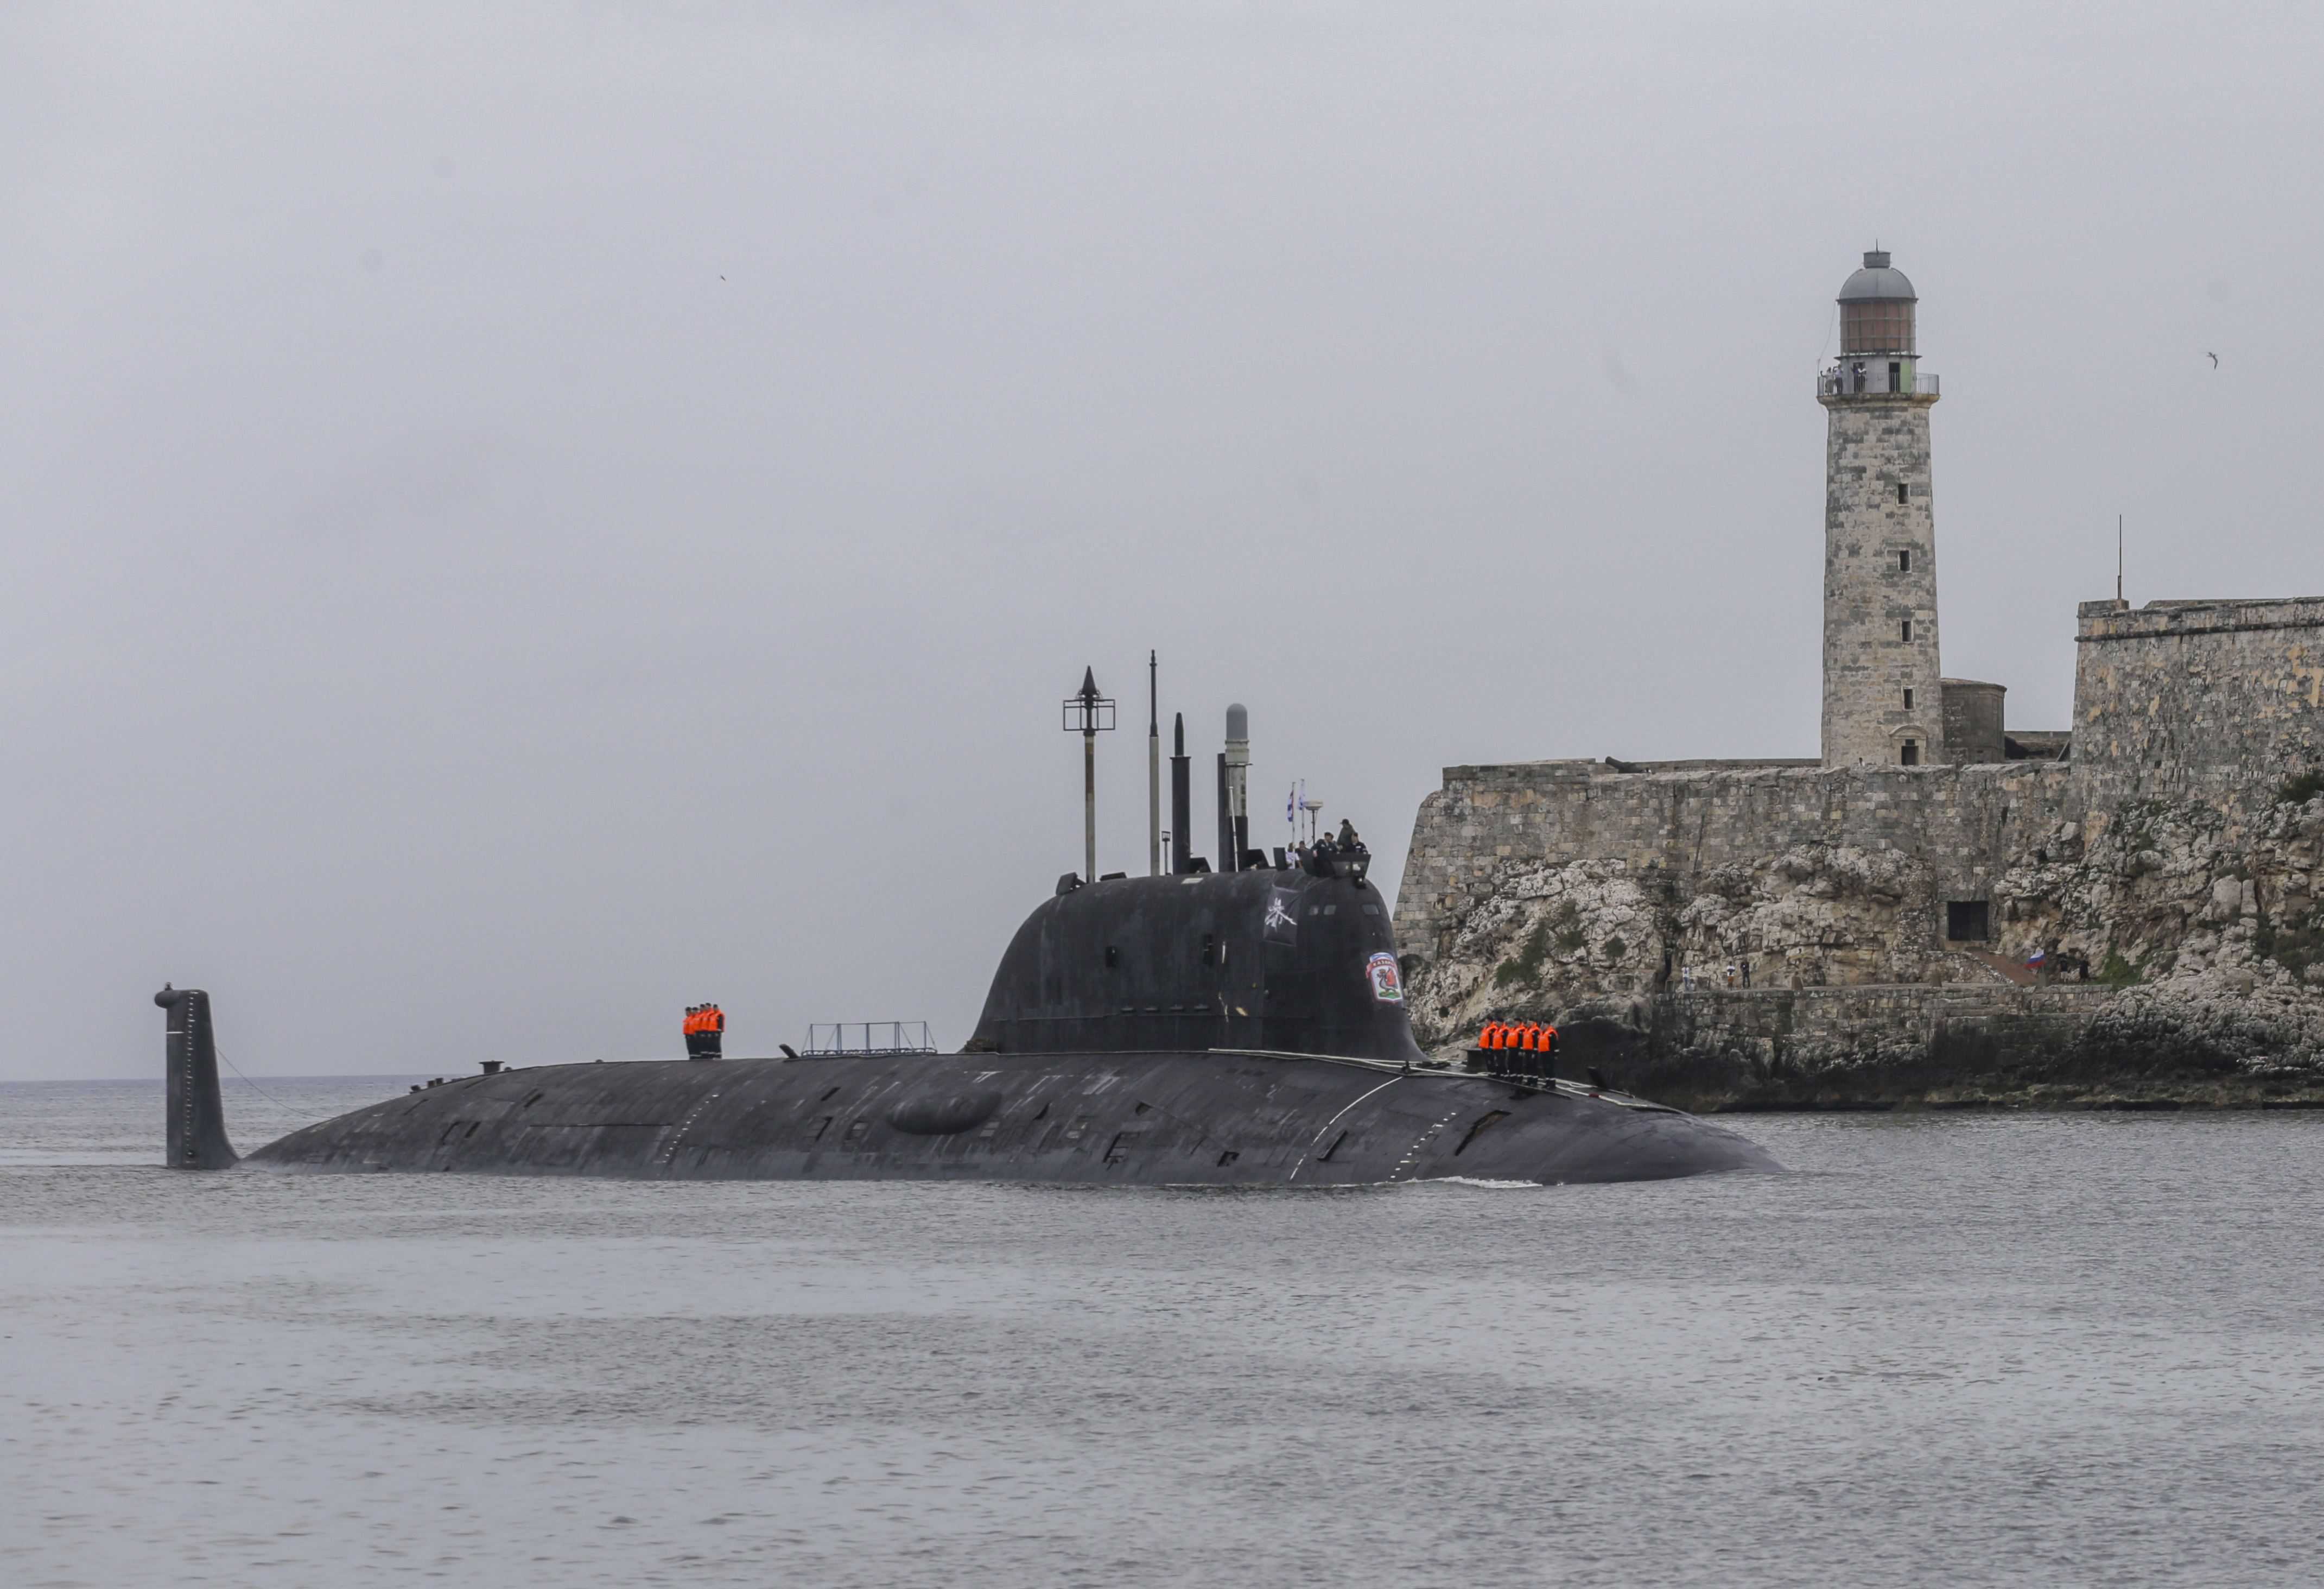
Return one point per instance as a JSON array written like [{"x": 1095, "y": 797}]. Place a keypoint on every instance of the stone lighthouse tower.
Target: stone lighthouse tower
[{"x": 1882, "y": 687}]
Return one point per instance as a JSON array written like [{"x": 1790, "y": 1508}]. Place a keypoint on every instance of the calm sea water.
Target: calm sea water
[{"x": 2065, "y": 1349}]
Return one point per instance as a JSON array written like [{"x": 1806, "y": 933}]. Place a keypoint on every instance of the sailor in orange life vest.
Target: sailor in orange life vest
[
  {"x": 1532, "y": 1039},
  {"x": 704, "y": 1028}
]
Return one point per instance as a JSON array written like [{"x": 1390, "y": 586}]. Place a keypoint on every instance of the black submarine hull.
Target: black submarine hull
[
  {"x": 1239, "y": 1030},
  {"x": 1208, "y": 1118}
]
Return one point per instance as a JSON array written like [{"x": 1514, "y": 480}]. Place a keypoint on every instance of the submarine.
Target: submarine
[
  {"x": 1243, "y": 1028},
  {"x": 1229, "y": 1029}
]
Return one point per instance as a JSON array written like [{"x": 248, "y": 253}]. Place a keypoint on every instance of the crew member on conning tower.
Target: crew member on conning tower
[{"x": 705, "y": 1030}]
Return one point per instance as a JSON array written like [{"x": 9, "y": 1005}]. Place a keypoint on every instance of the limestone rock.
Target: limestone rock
[{"x": 2208, "y": 923}]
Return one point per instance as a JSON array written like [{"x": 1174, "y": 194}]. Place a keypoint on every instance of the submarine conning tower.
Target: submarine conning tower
[
  {"x": 1296, "y": 959},
  {"x": 195, "y": 1134}
]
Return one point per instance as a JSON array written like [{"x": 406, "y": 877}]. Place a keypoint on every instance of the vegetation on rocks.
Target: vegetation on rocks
[{"x": 2301, "y": 788}]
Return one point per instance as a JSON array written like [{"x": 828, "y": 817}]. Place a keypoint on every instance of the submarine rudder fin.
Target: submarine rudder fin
[{"x": 196, "y": 1133}]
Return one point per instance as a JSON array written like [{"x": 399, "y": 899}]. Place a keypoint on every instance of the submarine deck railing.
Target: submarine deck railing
[{"x": 829, "y": 1038}]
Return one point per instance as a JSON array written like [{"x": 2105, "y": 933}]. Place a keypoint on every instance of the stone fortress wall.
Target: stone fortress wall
[
  {"x": 1963, "y": 823},
  {"x": 2193, "y": 697}
]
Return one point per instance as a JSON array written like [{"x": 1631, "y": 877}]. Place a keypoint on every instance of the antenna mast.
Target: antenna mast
[
  {"x": 1089, "y": 714},
  {"x": 1153, "y": 770},
  {"x": 2118, "y": 556}
]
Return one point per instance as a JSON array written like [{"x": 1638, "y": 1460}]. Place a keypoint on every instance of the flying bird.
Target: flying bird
[{"x": 2212, "y": 356}]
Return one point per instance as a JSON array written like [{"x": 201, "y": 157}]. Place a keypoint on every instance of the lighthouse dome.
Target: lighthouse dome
[
  {"x": 1877, "y": 280},
  {"x": 1875, "y": 309}
]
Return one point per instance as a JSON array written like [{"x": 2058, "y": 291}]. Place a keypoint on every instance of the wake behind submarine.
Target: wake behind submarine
[{"x": 1189, "y": 1028}]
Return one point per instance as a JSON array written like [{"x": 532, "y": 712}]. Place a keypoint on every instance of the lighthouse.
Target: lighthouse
[{"x": 1883, "y": 689}]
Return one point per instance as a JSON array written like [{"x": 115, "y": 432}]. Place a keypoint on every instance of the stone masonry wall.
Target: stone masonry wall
[
  {"x": 1974, "y": 727},
  {"x": 1957, "y": 827},
  {"x": 2186, "y": 699}
]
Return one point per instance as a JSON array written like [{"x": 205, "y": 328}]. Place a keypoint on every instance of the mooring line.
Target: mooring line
[{"x": 252, "y": 1086}]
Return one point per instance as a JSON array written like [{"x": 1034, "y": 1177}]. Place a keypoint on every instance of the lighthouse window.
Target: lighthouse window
[
  {"x": 1912, "y": 757},
  {"x": 1900, "y": 491},
  {"x": 1903, "y": 562},
  {"x": 1906, "y": 631},
  {"x": 1908, "y": 697}
]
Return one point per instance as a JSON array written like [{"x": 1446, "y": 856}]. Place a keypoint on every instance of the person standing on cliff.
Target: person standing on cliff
[{"x": 1730, "y": 974}]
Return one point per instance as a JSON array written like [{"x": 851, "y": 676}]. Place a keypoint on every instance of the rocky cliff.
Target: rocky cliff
[{"x": 2188, "y": 936}]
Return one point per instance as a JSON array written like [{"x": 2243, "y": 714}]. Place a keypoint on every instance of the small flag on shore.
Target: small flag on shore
[{"x": 2034, "y": 960}]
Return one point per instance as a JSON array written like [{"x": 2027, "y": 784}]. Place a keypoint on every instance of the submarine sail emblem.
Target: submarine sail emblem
[
  {"x": 1280, "y": 926},
  {"x": 1386, "y": 987}
]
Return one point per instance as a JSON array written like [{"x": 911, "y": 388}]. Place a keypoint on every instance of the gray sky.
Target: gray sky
[{"x": 522, "y": 517}]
